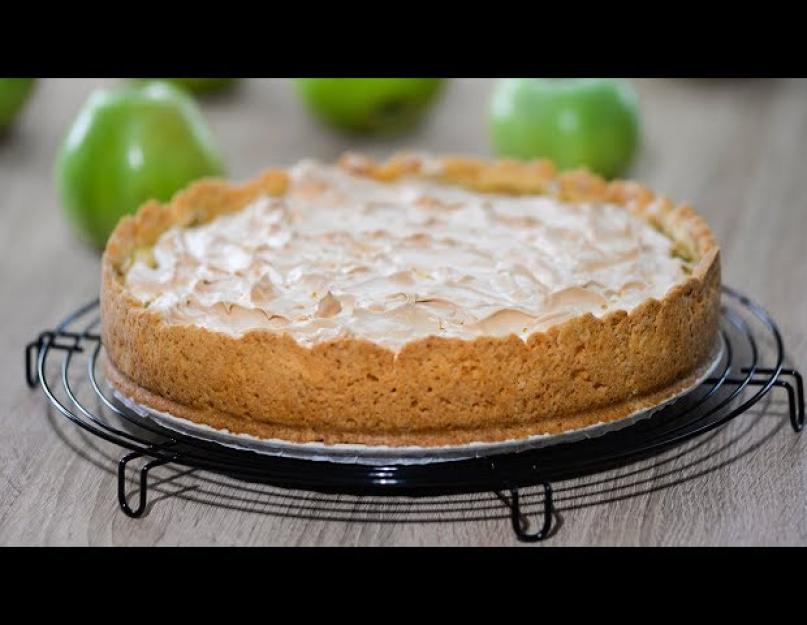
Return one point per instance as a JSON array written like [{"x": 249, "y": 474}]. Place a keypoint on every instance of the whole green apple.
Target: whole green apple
[
  {"x": 369, "y": 104},
  {"x": 575, "y": 122},
  {"x": 13, "y": 94},
  {"x": 199, "y": 86},
  {"x": 129, "y": 145}
]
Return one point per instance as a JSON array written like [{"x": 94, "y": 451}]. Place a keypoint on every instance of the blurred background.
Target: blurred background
[{"x": 735, "y": 148}]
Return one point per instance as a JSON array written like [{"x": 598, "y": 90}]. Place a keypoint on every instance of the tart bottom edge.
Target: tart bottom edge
[{"x": 495, "y": 433}]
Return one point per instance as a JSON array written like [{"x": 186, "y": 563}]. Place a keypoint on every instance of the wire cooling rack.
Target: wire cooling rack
[{"x": 751, "y": 366}]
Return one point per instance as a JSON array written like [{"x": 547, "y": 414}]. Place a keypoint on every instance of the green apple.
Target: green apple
[
  {"x": 575, "y": 122},
  {"x": 199, "y": 86},
  {"x": 129, "y": 145},
  {"x": 13, "y": 94},
  {"x": 369, "y": 104}
]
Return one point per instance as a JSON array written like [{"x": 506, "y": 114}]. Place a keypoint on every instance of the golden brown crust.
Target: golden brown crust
[{"x": 435, "y": 391}]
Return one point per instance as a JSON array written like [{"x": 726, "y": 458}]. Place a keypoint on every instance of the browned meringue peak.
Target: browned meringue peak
[{"x": 346, "y": 255}]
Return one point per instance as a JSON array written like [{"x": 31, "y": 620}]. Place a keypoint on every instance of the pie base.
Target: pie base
[{"x": 413, "y": 454}]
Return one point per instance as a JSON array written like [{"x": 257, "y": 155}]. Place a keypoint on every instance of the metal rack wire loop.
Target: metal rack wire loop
[
  {"x": 752, "y": 365},
  {"x": 517, "y": 518},
  {"x": 143, "y": 487}
]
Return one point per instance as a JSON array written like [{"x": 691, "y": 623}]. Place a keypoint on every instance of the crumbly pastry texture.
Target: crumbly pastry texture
[{"x": 277, "y": 333}]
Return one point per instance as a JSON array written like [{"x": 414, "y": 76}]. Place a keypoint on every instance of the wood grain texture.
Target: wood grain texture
[{"x": 735, "y": 148}]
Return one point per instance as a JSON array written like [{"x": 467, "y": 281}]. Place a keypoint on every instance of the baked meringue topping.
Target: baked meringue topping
[{"x": 342, "y": 255}]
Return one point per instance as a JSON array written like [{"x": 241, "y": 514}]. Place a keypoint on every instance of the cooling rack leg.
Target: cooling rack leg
[
  {"x": 516, "y": 517},
  {"x": 143, "y": 494},
  {"x": 31, "y": 352},
  {"x": 31, "y": 356},
  {"x": 795, "y": 394},
  {"x": 795, "y": 405},
  {"x": 796, "y": 400},
  {"x": 47, "y": 340}
]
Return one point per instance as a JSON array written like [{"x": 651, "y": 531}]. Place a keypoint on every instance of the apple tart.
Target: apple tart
[{"x": 420, "y": 301}]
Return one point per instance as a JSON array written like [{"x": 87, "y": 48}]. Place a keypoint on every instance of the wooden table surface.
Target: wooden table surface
[{"x": 736, "y": 148}]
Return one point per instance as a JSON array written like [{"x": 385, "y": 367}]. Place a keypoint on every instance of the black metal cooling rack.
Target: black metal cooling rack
[{"x": 752, "y": 364}]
